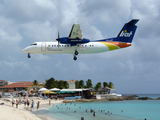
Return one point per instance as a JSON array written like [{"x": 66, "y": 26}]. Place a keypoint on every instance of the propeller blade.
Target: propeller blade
[
  {"x": 58, "y": 35},
  {"x": 58, "y": 39}
]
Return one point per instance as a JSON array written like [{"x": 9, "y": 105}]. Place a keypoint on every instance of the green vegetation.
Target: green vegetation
[
  {"x": 97, "y": 86},
  {"x": 52, "y": 83},
  {"x": 61, "y": 84},
  {"x": 35, "y": 83}
]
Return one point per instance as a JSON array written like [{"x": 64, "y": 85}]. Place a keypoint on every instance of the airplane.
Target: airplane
[{"x": 75, "y": 43}]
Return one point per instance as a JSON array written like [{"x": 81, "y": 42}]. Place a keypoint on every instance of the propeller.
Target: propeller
[{"x": 58, "y": 39}]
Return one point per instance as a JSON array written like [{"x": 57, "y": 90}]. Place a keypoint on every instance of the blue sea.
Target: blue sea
[{"x": 116, "y": 110}]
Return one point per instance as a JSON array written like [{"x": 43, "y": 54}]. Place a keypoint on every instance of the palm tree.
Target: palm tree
[
  {"x": 77, "y": 84},
  {"x": 89, "y": 83},
  {"x": 65, "y": 84},
  {"x": 81, "y": 84},
  {"x": 110, "y": 85},
  {"x": 97, "y": 86},
  {"x": 105, "y": 84},
  {"x": 35, "y": 83}
]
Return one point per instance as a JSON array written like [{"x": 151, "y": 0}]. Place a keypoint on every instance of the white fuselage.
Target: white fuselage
[{"x": 53, "y": 48}]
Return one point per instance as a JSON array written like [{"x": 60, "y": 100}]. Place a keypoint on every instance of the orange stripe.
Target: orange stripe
[{"x": 121, "y": 45}]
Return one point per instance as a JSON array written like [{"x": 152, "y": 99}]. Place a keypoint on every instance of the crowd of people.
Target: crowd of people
[{"x": 27, "y": 103}]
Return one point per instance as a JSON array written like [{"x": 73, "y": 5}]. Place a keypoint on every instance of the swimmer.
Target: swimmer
[{"x": 94, "y": 114}]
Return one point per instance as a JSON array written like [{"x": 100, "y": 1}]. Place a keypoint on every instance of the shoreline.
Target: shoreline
[{"x": 23, "y": 112}]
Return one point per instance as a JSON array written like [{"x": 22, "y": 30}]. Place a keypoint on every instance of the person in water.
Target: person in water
[{"x": 94, "y": 114}]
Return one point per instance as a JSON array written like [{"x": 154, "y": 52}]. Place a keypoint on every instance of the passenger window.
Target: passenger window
[
  {"x": 54, "y": 45},
  {"x": 85, "y": 45},
  {"x": 48, "y": 45}
]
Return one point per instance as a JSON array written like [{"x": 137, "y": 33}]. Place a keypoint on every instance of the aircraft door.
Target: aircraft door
[{"x": 43, "y": 46}]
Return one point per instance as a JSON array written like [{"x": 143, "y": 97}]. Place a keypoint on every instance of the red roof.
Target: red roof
[
  {"x": 3, "y": 80},
  {"x": 18, "y": 84},
  {"x": 72, "y": 80}
]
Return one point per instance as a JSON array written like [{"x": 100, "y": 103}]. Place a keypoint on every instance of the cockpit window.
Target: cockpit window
[{"x": 34, "y": 44}]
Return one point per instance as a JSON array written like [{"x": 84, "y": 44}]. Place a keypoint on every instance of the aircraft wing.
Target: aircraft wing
[{"x": 76, "y": 32}]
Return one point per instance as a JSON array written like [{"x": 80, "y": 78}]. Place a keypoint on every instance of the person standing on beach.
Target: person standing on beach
[
  {"x": 37, "y": 105},
  {"x": 16, "y": 103},
  {"x": 12, "y": 102},
  {"x": 32, "y": 105},
  {"x": 49, "y": 102},
  {"x": 25, "y": 103}
]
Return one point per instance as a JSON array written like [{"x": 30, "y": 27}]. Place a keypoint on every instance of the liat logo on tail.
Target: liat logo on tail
[{"x": 125, "y": 34}]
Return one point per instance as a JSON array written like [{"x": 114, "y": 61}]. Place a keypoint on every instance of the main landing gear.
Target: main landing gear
[
  {"x": 29, "y": 56},
  {"x": 75, "y": 53}
]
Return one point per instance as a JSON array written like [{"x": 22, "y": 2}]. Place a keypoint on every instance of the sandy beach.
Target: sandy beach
[{"x": 7, "y": 112}]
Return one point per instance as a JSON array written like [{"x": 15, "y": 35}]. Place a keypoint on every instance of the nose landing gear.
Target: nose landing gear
[{"x": 29, "y": 56}]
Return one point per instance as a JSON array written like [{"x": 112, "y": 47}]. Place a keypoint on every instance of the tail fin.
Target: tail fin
[{"x": 128, "y": 31}]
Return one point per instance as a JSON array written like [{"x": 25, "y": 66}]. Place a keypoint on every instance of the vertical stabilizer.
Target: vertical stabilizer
[{"x": 128, "y": 31}]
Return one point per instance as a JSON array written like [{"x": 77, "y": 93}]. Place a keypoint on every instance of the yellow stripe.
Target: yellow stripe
[{"x": 110, "y": 46}]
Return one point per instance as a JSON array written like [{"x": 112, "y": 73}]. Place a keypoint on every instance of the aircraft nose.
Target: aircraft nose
[{"x": 25, "y": 50}]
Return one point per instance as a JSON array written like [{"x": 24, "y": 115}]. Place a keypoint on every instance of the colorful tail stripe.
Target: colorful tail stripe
[{"x": 116, "y": 45}]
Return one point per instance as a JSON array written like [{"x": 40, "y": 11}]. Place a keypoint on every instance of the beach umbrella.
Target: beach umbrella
[
  {"x": 42, "y": 89},
  {"x": 48, "y": 92},
  {"x": 54, "y": 89}
]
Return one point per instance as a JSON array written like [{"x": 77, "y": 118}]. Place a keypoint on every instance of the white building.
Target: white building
[{"x": 72, "y": 84}]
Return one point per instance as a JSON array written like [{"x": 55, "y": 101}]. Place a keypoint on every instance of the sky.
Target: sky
[{"x": 135, "y": 69}]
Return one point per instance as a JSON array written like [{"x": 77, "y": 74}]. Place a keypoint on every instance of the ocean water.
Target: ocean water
[{"x": 132, "y": 110}]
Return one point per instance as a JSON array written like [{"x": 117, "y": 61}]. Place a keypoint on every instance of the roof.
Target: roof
[
  {"x": 72, "y": 80},
  {"x": 2, "y": 81},
  {"x": 18, "y": 84},
  {"x": 71, "y": 90}
]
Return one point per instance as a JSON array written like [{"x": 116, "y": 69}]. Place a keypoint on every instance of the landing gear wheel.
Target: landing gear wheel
[
  {"x": 29, "y": 56},
  {"x": 76, "y": 52},
  {"x": 75, "y": 58}
]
